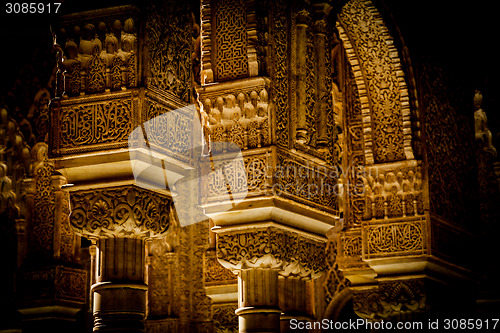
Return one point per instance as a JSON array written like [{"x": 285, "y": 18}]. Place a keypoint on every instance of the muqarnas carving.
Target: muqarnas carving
[
  {"x": 242, "y": 119},
  {"x": 97, "y": 58}
]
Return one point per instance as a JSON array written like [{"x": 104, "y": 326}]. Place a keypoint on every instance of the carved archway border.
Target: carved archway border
[{"x": 358, "y": 56}]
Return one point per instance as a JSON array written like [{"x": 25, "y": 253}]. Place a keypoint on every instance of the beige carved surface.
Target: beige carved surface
[
  {"x": 215, "y": 273},
  {"x": 273, "y": 247},
  {"x": 393, "y": 191},
  {"x": 170, "y": 49},
  {"x": 170, "y": 136},
  {"x": 97, "y": 53},
  {"x": 126, "y": 211},
  {"x": 94, "y": 123},
  {"x": 240, "y": 115},
  {"x": 350, "y": 254},
  {"x": 397, "y": 238},
  {"x": 231, "y": 60},
  {"x": 225, "y": 320},
  {"x": 307, "y": 182},
  {"x": 280, "y": 84},
  {"x": 335, "y": 280},
  {"x": 383, "y": 92}
]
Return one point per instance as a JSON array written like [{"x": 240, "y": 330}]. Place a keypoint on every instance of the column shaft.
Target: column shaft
[
  {"x": 120, "y": 291},
  {"x": 258, "y": 304}
]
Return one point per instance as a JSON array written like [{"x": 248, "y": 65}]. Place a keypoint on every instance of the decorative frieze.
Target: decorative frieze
[
  {"x": 238, "y": 113},
  {"x": 95, "y": 123},
  {"x": 97, "y": 53},
  {"x": 393, "y": 191},
  {"x": 395, "y": 239},
  {"x": 308, "y": 182}
]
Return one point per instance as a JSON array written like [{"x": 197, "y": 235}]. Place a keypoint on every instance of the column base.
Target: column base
[
  {"x": 253, "y": 320},
  {"x": 119, "y": 307}
]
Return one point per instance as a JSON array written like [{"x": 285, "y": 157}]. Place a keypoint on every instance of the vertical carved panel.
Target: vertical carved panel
[
  {"x": 96, "y": 81},
  {"x": 42, "y": 237},
  {"x": 279, "y": 74},
  {"x": 355, "y": 161},
  {"x": 449, "y": 142},
  {"x": 170, "y": 49},
  {"x": 380, "y": 79},
  {"x": 163, "y": 281},
  {"x": 231, "y": 60}
]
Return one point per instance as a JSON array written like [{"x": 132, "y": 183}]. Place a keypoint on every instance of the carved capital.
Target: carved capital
[
  {"x": 126, "y": 211},
  {"x": 270, "y": 247},
  {"x": 389, "y": 298}
]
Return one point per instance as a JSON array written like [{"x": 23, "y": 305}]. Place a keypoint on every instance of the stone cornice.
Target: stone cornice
[{"x": 272, "y": 209}]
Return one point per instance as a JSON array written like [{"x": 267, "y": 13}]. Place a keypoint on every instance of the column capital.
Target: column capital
[
  {"x": 124, "y": 211},
  {"x": 272, "y": 247}
]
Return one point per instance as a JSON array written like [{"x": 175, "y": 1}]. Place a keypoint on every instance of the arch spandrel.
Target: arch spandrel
[{"x": 380, "y": 81}]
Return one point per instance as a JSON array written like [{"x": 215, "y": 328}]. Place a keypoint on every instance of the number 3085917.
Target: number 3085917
[{"x": 32, "y": 8}]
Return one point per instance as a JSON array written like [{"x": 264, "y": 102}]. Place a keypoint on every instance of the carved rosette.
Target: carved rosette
[
  {"x": 126, "y": 211},
  {"x": 270, "y": 247}
]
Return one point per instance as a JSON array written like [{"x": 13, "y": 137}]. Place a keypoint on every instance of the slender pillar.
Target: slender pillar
[
  {"x": 292, "y": 301},
  {"x": 320, "y": 41},
  {"x": 302, "y": 18},
  {"x": 120, "y": 291},
  {"x": 258, "y": 302}
]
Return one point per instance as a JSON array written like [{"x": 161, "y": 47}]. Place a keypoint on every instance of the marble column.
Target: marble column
[
  {"x": 258, "y": 302},
  {"x": 292, "y": 301},
  {"x": 120, "y": 292},
  {"x": 261, "y": 256},
  {"x": 120, "y": 220}
]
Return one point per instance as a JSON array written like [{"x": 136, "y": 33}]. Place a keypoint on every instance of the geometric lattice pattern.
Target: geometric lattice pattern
[{"x": 231, "y": 40}]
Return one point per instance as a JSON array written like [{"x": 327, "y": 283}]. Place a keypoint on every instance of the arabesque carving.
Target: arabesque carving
[
  {"x": 279, "y": 74},
  {"x": 170, "y": 50},
  {"x": 394, "y": 192},
  {"x": 272, "y": 247},
  {"x": 92, "y": 124},
  {"x": 124, "y": 211},
  {"x": 380, "y": 81},
  {"x": 239, "y": 114},
  {"x": 230, "y": 37}
]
